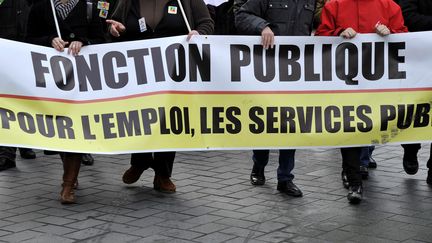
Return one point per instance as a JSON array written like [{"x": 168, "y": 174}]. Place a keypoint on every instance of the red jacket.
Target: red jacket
[{"x": 361, "y": 15}]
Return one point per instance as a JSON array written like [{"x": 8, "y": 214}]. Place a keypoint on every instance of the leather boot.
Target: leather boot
[
  {"x": 71, "y": 166},
  {"x": 163, "y": 184}
]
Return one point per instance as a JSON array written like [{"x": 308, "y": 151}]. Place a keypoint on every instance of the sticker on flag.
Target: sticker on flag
[{"x": 172, "y": 9}]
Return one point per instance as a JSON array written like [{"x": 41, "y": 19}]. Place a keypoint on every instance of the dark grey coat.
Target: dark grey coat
[{"x": 284, "y": 17}]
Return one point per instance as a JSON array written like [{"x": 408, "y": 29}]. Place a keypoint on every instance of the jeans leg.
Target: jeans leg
[
  {"x": 364, "y": 156},
  {"x": 141, "y": 160},
  {"x": 260, "y": 158},
  {"x": 286, "y": 165},
  {"x": 351, "y": 164},
  {"x": 371, "y": 149},
  {"x": 163, "y": 163}
]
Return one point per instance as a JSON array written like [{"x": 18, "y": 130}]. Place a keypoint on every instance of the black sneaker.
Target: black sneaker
[
  {"x": 27, "y": 153},
  {"x": 257, "y": 177},
  {"x": 429, "y": 177},
  {"x": 289, "y": 188},
  {"x": 87, "y": 159},
  {"x": 6, "y": 163},
  {"x": 355, "y": 194},
  {"x": 344, "y": 178},
  {"x": 49, "y": 152},
  {"x": 410, "y": 165},
  {"x": 372, "y": 163},
  {"x": 364, "y": 172}
]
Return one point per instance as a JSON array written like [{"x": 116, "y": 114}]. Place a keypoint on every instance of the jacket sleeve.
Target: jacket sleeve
[
  {"x": 37, "y": 32},
  {"x": 202, "y": 21},
  {"x": 249, "y": 18},
  {"x": 237, "y": 5},
  {"x": 328, "y": 25},
  {"x": 396, "y": 23},
  {"x": 413, "y": 19}
]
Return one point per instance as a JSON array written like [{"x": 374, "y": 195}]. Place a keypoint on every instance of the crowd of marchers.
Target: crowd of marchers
[{"x": 77, "y": 23}]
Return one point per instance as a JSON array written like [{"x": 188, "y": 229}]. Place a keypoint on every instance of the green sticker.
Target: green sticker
[{"x": 1, "y": 1}]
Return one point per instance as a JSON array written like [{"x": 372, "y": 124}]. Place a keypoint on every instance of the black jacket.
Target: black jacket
[
  {"x": 127, "y": 12},
  {"x": 417, "y": 14},
  {"x": 13, "y": 19},
  {"x": 76, "y": 27},
  {"x": 289, "y": 17}
]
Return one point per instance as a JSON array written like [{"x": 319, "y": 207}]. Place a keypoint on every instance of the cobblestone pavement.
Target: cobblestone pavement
[{"x": 215, "y": 202}]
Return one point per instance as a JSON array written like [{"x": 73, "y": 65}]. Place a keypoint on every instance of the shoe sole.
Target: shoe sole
[
  {"x": 292, "y": 195},
  {"x": 164, "y": 191},
  {"x": 257, "y": 183},
  {"x": 354, "y": 200},
  {"x": 413, "y": 172},
  {"x": 372, "y": 166}
]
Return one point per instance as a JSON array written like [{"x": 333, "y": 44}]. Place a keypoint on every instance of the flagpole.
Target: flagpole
[
  {"x": 55, "y": 19},
  {"x": 184, "y": 15}
]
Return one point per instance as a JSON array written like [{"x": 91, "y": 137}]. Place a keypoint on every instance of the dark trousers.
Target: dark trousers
[
  {"x": 351, "y": 164},
  {"x": 411, "y": 151},
  {"x": 161, "y": 162},
  {"x": 8, "y": 152},
  {"x": 286, "y": 162}
]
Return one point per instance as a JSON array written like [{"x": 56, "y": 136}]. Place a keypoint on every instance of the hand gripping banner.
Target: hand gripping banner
[{"x": 217, "y": 92}]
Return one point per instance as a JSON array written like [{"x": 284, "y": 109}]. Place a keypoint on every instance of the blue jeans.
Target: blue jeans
[
  {"x": 365, "y": 155},
  {"x": 286, "y": 162}
]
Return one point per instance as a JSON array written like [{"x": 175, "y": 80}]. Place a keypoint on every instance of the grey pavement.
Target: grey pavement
[{"x": 215, "y": 202}]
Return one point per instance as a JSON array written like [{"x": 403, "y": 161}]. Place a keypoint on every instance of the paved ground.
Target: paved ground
[{"x": 216, "y": 203}]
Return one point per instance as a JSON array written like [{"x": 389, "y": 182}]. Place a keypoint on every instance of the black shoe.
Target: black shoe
[
  {"x": 289, "y": 188},
  {"x": 27, "y": 153},
  {"x": 6, "y": 163},
  {"x": 372, "y": 163},
  {"x": 429, "y": 177},
  {"x": 410, "y": 165},
  {"x": 344, "y": 178},
  {"x": 49, "y": 152},
  {"x": 87, "y": 159},
  {"x": 355, "y": 194},
  {"x": 364, "y": 172},
  {"x": 257, "y": 177}
]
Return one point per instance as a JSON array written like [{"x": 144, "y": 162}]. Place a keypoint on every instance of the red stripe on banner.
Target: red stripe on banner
[{"x": 22, "y": 97}]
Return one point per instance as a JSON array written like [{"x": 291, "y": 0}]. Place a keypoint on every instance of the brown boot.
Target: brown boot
[
  {"x": 71, "y": 166},
  {"x": 132, "y": 174},
  {"x": 163, "y": 184},
  {"x": 67, "y": 195}
]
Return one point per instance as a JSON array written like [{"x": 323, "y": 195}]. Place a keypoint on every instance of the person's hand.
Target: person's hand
[
  {"x": 192, "y": 33},
  {"x": 267, "y": 38},
  {"x": 381, "y": 29},
  {"x": 116, "y": 28},
  {"x": 59, "y": 44},
  {"x": 75, "y": 47},
  {"x": 348, "y": 33}
]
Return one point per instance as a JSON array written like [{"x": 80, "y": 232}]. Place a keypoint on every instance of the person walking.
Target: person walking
[
  {"x": 346, "y": 18},
  {"x": 148, "y": 19},
  {"x": 79, "y": 26},
  {"x": 418, "y": 17},
  {"x": 269, "y": 19},
  {"x": 13, "y": 21}
]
